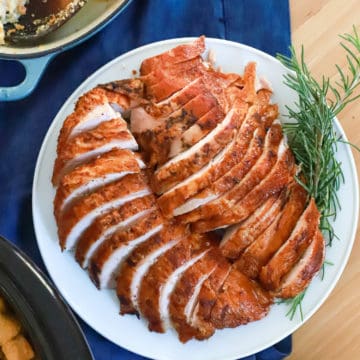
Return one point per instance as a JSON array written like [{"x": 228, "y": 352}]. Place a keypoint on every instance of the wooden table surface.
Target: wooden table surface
[{"x": 334, "y": 331}]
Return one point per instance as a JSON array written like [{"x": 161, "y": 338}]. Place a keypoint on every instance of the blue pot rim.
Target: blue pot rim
[{"x": 70, "y": 44}]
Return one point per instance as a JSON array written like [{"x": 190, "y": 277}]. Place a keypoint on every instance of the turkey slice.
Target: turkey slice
[
  {"x": 303, "y": 272},
  {"x": 84, "y": 179},
  {"x": 238, "y": 237},
  {"x": 158, "y": 282},
  {"x": 206, "y": 298},
  {"x": 176, "y": 55},
  {"x": 184, "y": 295},
  {"x": 239, "y": 301},
  {"x": 210, "y": 174},
  {"x": 78, "y": 217},
  {"x": 274, "y": 182},
  {"x": 105, "y": 263},
  {"x": 90, "y": 144},
  {"x": 193, "y": 159},
  {"x": 108, "y": 223},
  {"x": 264, "y": 247},
  {"x": 241, "y": 179},
  {"x": 291, "y": 251},
  {"x": 91, "y": 109},
  {"x": 140, "y": 260},
  {"x": 157, "y": 142},
  {"x": 164, "y": 82}
]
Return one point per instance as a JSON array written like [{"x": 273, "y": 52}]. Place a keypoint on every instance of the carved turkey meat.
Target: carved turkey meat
[{"x": 148, "y": 167}]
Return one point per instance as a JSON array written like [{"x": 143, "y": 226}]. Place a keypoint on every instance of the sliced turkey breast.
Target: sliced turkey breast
[
  {"x": 238, "y": 237},
  {"x": 91, "y": 109},
  {"x": 168, "y": 72},
  {"x": 193, "y": 159},
  {"x": 78, "y": 217},
  {"x": 206, "y": 299},
  {"x": 173, "y": 202},
  {"x": 239, "y": 301},
  {"x": 237, "y": 157},
  {"x": 184, "y": 296},
  {"x": 90, "y": 144},
  {"x": 219, "y": 84},
  {"x": 176, "y": 55},
  {"x": 158, "y": 282},
  {"x": 136, "y": 265},
  {"x": 247, "y": 91},
  {"x": 274, "y": 182},
  {"x": 108, "y": 223},
  {"x": 209, "y": 175},
  {"x": 291, "y": 251},
  {"x": 239, "y": 181},
  {"x": 164, "y": 82},
  {"x": 163, "y": 109},
  {"x": 155, "y": 117},
  {"x": 303, "y": 272},
  {"x": 195, "y": 132},
  {"x": 106, "y": 168},
  {"x": 158, "y": 143},
  {"x": 264, "y": 247},
  {"x": 161, "y": 77},
  {"x": 104, "y": 265},
  {"x": 132, "y": 88}
]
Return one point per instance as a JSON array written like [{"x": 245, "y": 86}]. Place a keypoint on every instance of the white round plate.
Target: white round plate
[{"x": 100, "y": 309}]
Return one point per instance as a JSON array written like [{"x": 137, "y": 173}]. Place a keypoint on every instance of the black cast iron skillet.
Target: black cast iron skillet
[{"x": 49, "y": 323}]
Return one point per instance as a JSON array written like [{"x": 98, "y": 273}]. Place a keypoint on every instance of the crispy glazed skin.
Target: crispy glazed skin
[
  {"x": 303, "y": 272},
  {"x": 120, "y": 239},
  {"x": 164, "y": 79},
  {"x": 137, "y": 257},
  {"x": 133, "y": 89},
  {"x": 239, "y": 181},
  {"x": 201, "y": 317},
  {"x": 184, "y": 290},
  {"x": 243, "y": 153},
  {"x": 159, "y": 142},
  {"x": 278, "y": 178},
  {"x": 89, "y": 141},
  {"x": 239, "y": 301},
  {"x": 176, "y": 55},
  {"x": 161, "y": 73},
  {"x": 104, "y": 222},
  {"x": 265, "y": 246},
  {"x": 291, "y": 251},
  {"x": 112, "y": 162},
  {"x": 240, "y": 236},
  {"x": 192, "y": 160},
  {"x": 121, "y": 188},
  {"x": 162, "y": 110},
  {"x": 86, "y": 103},
  {"x": 203, "y": 125},
  {"x": 158, "y": 274}
]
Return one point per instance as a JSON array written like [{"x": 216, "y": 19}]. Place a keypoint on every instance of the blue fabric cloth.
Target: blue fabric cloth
[{"x": 263, "y": 24}]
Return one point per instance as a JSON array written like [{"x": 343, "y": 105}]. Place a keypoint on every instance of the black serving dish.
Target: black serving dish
[{"x": 48, "y": 322}]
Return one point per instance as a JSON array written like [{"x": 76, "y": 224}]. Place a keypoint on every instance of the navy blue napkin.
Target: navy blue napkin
[{"x": 263, "y": 24}]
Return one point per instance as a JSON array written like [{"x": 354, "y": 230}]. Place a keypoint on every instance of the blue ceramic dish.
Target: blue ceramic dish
[{"x": 86, "y": 23}]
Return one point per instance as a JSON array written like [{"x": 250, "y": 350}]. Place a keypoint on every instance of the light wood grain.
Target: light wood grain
[{"x": 334, "y": 331}]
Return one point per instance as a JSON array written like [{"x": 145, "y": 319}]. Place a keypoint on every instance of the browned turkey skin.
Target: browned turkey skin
[{"x": 138, "y": 199}]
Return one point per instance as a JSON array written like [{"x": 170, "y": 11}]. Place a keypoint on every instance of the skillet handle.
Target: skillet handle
[{"x": 34, "y": 69}]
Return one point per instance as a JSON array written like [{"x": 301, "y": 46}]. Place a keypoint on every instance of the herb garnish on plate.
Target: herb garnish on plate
[{"x": 312, "y": 136}]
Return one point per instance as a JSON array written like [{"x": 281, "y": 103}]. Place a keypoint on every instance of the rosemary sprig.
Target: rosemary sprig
[
  {"x": 326, "y": 263},
  {"x": 311, "y": 132}
]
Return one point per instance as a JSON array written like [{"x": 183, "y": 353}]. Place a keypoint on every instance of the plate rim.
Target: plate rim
[{"x": 178, "y": 41}]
